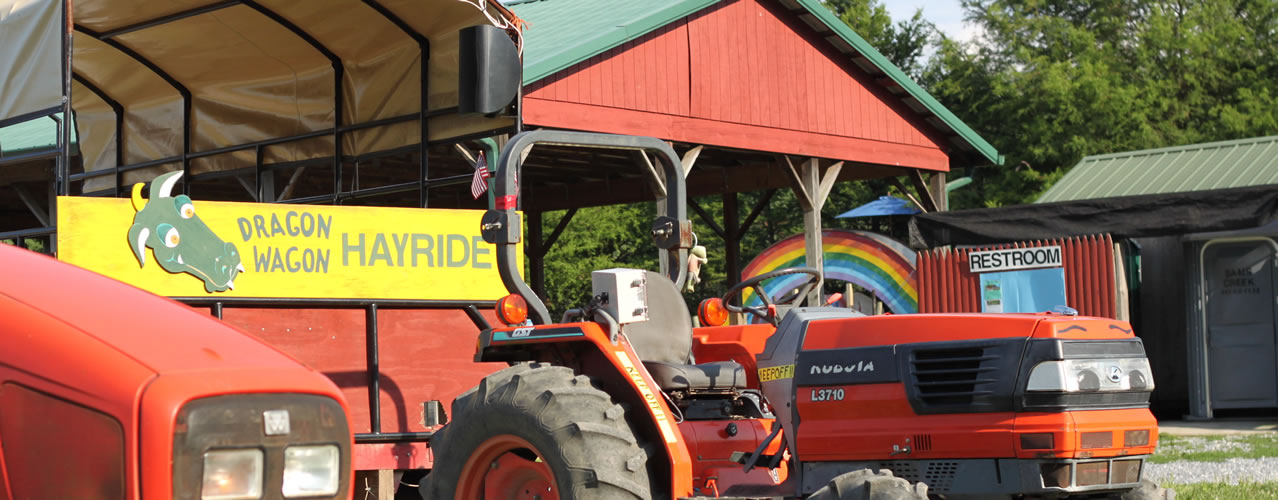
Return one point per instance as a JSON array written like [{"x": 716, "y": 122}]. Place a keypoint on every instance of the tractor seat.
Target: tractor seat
[
  {"x": 664, "y": 343},
  {"x": 720, "y": 375}
]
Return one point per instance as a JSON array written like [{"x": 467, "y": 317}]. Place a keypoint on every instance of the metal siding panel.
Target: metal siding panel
[
  {"x": 1071, "y": 288},
  {"x": 1222, "y": 160},
  {"x": 1093, "y": 287},
  {"x": 1110, "y": 281},
  {"x": 971, "y": 284},
  {"x": 1262, "y": 164},
  {"x": 1103, "y": 183},
  {"x": 927, "y": 283},
  {"x": 948, "y": 293}
]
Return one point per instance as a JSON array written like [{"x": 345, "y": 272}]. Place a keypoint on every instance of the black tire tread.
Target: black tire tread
[
  {"x": 866, "y": 484},
  {"x": 579, "y": 431}
]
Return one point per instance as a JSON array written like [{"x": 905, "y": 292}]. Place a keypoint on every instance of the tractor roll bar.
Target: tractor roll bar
[{"x": 671, "y": 231}]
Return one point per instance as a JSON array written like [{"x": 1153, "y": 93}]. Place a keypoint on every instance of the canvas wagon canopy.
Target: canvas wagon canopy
[{"x": 218, "y": 85}]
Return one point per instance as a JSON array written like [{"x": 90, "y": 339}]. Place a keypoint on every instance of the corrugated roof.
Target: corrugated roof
[
  {"x": 562, "y": 33},
  {"x": 1196, "y": 167},
  {"x": 40, "y": 133}
]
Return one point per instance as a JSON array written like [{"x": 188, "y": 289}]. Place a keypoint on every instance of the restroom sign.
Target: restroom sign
[{"x": 1014, "y": 258}]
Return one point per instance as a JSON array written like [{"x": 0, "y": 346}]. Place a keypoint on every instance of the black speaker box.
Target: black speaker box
[{"x": 489, "y": 70}]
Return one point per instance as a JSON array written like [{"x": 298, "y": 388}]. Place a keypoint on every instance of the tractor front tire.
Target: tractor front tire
[
  {"x": 536, "y": 431},
  {"x": 865, "y": 484}
]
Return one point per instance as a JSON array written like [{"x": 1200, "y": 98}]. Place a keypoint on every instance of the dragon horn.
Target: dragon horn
[
  {"x": 162, "y": 186},
  {"x": 138, "y": 201}
]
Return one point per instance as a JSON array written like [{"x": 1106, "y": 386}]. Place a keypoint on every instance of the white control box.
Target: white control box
[{"x": 627, "y": 299}]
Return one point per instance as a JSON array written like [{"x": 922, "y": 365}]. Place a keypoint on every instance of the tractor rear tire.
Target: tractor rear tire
[
  {"x": 865, "y": 484},
  {"x": 536, "y": 429},
  {"x": 1149, "y": 490}
]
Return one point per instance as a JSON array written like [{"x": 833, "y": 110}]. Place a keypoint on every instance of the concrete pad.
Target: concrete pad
[{"x": 1217, "y": 427}]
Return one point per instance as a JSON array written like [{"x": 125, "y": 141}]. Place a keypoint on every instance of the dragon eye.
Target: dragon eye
[
  {"x": 184, "y": 206},
  {"x": 171, "y": 238}
]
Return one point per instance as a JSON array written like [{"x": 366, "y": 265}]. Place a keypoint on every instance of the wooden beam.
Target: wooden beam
[
  {"x": 758, "y": 208},
  {"x": 536, "y": 259},
  {"x": 689, "y": 159},
  {"x": 655, "y": 179},
  {"x": 252, "y": 190},
  {"x": 748, "y": 178},
  {"x": 464, "y": 153},
  {"x": 707, "y": 218},
  {"x": 925, "y": 196},
  {"x": 544, "y": 247},
  {"x": 907, "y": 193},
  {"x": 39, "y": 213},
  {"x": 732, "y": 239},
  {"x": 827, "y": 183},
  {"x": 798, "y": 185}
]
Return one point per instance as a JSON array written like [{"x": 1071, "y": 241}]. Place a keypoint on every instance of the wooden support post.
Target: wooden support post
[
  {"x": 386, "y": 483},
  {"x": 936, "y": 184},
  {"x": 731, "y": 239},
  {"x": 536, "y": 254},
  {"x": 811, "y": 188},
  {"x": 929, "y": 202}
]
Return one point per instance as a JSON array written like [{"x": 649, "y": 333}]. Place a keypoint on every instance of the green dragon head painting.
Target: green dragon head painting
[{"x": 180, "y": 241}]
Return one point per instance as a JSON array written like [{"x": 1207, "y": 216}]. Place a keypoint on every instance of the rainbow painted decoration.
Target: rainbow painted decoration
[{"x": 871, "y": 261}]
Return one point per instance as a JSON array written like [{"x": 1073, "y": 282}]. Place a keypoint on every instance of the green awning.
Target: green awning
[
  {"x": 32, "y": 135},
  {"x": 1196, "y": 167}
]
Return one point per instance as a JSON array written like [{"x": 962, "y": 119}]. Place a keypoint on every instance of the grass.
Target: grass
[
  {"x": 1216, "y": 449},
  {"x": 1224, "y": 491}
]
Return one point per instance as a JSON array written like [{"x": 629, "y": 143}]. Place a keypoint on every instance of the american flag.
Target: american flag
[{"x": 478, "y": 183}]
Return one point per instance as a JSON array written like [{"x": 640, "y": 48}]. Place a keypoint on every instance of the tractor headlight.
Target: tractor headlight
[
  {"x": 1091, "y": 375},
  {"x": 232, "y": 475},
  {"x": 311, "y": 471}
]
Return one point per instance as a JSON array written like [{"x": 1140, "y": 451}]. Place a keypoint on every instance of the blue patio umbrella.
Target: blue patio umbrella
[{"x": 885, "y": 205}]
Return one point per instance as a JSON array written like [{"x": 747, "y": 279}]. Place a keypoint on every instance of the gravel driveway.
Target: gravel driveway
[{"x": 1231, "y": 470}]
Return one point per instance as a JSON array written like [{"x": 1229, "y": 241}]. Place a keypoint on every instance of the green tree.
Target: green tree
[
  {"x": 903, "y": 42},
  {"x": 1053, "y": 81}
]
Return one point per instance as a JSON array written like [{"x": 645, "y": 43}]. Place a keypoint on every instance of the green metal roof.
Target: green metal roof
[
  {"x": 565, "y": 32},
  {"x": 562, "y": 33},
  {"x": 1196, "y": 167},
  {"x": 31, "y": 135}
]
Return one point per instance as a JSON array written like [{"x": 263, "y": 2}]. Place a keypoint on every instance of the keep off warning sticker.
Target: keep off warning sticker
[{"x": 776, "y": 373}]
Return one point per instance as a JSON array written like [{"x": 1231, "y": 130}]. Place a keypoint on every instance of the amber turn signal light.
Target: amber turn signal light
[
  {"x": 712, "y": 312},
  {"x": 512, "y": 310},
  {"x": 1136, "y": 438},
  {"x": 1036, "y": 441}
]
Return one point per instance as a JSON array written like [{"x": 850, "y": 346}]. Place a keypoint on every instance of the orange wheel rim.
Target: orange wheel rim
[{"x": 506, "y": 467}]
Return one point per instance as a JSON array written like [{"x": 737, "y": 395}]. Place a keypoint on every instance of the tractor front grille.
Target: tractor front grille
[
  {"x": 953, "y": 377},
  {"x": 962, "y": 377}
]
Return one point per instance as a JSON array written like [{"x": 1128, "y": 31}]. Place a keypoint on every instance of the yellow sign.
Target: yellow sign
[
  {"x": 172, "y": 246},
  {"x": 776, "y": 373}
]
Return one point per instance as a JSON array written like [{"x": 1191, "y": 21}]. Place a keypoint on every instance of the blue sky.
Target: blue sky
[{"x": 947, "y": 15}]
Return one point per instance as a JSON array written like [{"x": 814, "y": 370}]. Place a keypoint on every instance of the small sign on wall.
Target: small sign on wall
[{"x": 1014, "y": 258}]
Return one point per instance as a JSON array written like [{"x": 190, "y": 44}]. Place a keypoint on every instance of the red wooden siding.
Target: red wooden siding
[
  {"x": 946, "y": 285},
  {"x": 424, "y": 354},
  {"x": 743, "y": 74}
]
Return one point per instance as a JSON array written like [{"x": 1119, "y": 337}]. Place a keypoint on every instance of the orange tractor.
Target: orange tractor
[{"x": 624, "y": 398}]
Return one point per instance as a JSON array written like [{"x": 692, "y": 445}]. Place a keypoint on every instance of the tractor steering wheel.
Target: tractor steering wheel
[{"x": 768, "y": 312}]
